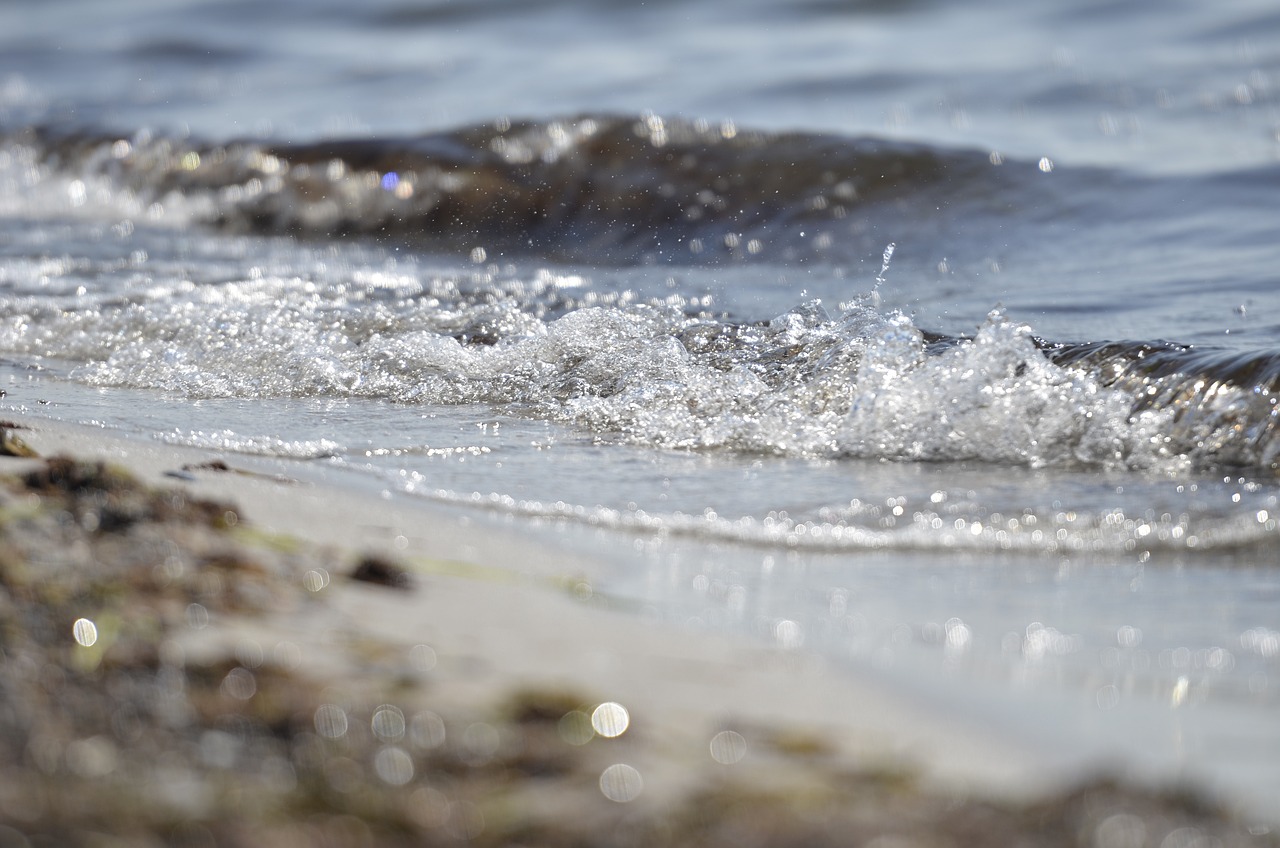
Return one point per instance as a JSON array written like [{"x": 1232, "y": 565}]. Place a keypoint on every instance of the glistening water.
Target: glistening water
[{"x": 939, "y": 341}]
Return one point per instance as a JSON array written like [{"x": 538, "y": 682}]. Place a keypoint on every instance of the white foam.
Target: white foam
[{"x": 227, "y": 440}]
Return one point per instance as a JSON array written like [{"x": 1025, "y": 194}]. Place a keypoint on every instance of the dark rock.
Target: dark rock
[{"x": 382, "y": 572}]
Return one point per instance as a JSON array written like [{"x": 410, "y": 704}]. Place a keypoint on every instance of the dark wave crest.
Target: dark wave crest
[
  {"x": 599, "y": 189},
  {"x": 1225, "y": 404}
]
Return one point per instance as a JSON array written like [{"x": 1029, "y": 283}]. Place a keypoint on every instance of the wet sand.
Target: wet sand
[{"x": 198, "y": 650}]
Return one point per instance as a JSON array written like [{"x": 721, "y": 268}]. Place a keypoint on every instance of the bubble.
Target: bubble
[
  {"x": 610, "y": 719},
  {"x": 85, "y": 632},
  {"x": 728, "y": 747},
  {"x": 621, "y": 782}
]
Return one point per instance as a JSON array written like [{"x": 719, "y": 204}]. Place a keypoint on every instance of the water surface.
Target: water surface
[{"x": 940, "y": 341}]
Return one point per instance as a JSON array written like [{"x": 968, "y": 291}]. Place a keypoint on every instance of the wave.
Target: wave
[
  {"x": 1220, "y": 405},
  {"x": 856, "y": 382},
  {"x": 603, "y": 189}
]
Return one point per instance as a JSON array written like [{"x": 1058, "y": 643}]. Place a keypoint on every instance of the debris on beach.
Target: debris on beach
[
  {"x": 381, "y": 572},
  {"x": 120, "y": 723},
  {"x": 11, "y": 445}
]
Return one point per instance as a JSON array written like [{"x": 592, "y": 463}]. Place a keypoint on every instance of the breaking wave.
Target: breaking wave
[
  {"x": 852, "y": 382},
  {"x": 858, "y": 383}
]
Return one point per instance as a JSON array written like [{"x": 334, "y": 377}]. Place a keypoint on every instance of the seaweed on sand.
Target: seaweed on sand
[{"x": 111, "y": 733}]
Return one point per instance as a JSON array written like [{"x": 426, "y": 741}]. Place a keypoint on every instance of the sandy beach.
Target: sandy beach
[{"x": 277, "y": 653}]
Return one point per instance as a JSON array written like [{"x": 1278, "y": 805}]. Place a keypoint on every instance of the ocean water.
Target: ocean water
[{"x": 939, "y": 340}]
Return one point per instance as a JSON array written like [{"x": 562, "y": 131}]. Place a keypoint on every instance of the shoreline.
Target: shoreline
[{"x": 489, "y": 632}]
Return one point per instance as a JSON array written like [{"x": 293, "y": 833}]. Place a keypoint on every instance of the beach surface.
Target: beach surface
[{"x": 387, "y": 671}]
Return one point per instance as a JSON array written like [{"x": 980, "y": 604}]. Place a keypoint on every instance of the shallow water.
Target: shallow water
[{"x": 794, "y": 313}]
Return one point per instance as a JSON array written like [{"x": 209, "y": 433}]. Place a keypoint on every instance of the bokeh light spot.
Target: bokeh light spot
[
  {"x": 480, "y": 743},
  {"x": 331, "y": 721},
  {"x": 1120, "y": 831},
  {"x": 610, "y": 719},
  {"x": 427, "y": 730},
  {"x": 394, "y": 766},
  {"x": 240, "y": 684},
  {"x": 85, "y": 632},
  {"x": 575, "y": 728},
  {"x": 728, "y": 747},
  {"x": 621, "y": 782},
  {"x": 388, "y": 723}
]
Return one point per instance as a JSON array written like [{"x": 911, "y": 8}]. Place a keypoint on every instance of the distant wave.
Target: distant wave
[{"x": 603, "y": 189}]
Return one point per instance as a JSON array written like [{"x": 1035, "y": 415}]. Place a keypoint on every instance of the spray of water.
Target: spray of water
[
  {"x": 873, "y": 299},
  {"x": 884, "y": 263}
]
